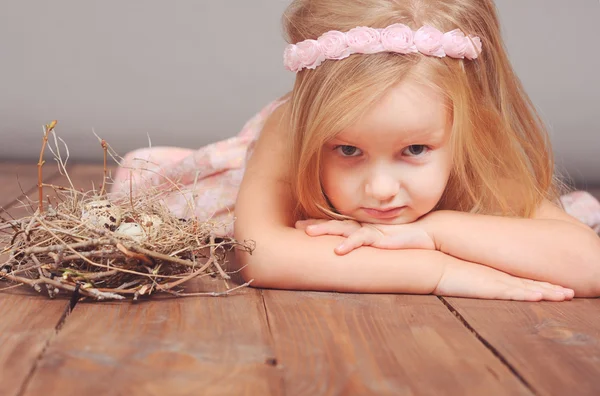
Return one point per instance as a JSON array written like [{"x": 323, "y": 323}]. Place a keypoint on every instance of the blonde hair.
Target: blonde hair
[{"x": 503, "y": 162}]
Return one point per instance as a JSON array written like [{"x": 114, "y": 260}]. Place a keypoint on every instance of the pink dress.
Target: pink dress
[{"x": 210, "y": 177}]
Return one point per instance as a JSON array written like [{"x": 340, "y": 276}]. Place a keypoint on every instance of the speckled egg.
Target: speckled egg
[
  {"x": 132, "y": 230},
  {"x": 151, "y": 224},
  {"x": 101, "y": 214}
]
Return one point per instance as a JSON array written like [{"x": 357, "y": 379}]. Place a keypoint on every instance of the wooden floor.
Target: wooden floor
[{"x": 266, "y": 342}]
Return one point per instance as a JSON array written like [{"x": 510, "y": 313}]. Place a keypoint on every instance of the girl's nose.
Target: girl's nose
[{"x": 382, "y": 187}]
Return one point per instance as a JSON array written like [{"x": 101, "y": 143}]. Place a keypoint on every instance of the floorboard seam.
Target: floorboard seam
[
  {"x": 264, "y": 304},
  {"x": 487, "y": 345},
  {"x": 274, "y": 361},
  {"x": 24, "y": 194},
  {"x": 61, "y": 321}
]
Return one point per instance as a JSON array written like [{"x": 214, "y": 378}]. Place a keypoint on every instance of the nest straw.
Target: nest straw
[{"x": 79, "y": 243}]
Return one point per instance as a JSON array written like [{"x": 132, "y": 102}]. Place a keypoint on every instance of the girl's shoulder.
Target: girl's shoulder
[
  {"x": 264, "y": 201},
  {"x": 272, "y": 141},
  {"x": 270, "y": 121},
  {"x": 254, "y": 126}
]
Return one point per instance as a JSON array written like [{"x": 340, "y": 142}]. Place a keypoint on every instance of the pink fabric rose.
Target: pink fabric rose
[
  {"x": 455, "y": 44},
  {"x": 429, "y": 41},
  {"x": 291, "y": 61},
  {"x": 334, "y": 45},
  {"x": 310, "y": 54},
  {"x": 473, "y": 47},
  {"x": 364, "y": 40},
  {"x": 398, "y": 38}
]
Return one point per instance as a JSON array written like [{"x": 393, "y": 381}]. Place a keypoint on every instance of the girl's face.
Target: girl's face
[{"x": 392, "y": 166}]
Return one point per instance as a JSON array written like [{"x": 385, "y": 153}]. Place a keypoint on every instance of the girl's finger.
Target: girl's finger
[
  {"x": 362, "y": 237},
  {"x": 533, "y": 293},
  {"x": 521, "y": 294},
  {"x": 333, "y": 227},
  {"x": 553, "y": 293},
  {"x": 401, "y": 239},
  {"x": 549, "y": 287}
]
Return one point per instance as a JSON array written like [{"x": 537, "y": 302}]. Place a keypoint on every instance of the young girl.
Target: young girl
[{"x": 406, "y": 159}]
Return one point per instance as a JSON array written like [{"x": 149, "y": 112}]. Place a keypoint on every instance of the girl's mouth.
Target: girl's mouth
[{"x": 385, "y": 213}]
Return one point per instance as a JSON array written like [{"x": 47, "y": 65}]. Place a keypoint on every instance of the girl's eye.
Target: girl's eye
[
  {"x": 416, "y": 150},
  {"x": 348, "y": 151}
]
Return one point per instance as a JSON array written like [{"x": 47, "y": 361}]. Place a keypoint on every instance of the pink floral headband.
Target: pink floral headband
[{"x": 396, "y": 38}]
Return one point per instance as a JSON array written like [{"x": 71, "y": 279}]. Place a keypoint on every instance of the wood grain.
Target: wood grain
[
  {"x": 554, "y": 346},
  {"x": 28, "y": 320},
  {"x": 27, "y": 326},
  {"x": 332, "y": 343},
  {"x": 182, "y": 346}
]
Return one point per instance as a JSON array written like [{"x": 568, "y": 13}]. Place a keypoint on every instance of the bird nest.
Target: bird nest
[{"x": 104, "y": 247}]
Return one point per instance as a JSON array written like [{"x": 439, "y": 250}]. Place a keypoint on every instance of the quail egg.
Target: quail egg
[
  {"x": 132, "y": 230},
  {"x": 101, "y": 214}
]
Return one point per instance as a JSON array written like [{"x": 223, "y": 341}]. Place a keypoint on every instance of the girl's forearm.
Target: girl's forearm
[
  {"x": 293, "y": 260},
  {"x": 551, "y": 250}
]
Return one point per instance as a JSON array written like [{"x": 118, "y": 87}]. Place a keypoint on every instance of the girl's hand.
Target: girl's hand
[
  {"x": 464, "y": 279},
  {"x": 382, "y": 236}
]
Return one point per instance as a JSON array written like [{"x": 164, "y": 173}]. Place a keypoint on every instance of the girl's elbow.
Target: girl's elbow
[
  {"x": 589, "y": 261},
  {"x": 256, "y": 269},
  {"x": 268, "y": 264},
  {"x": 588, "y": 289},
  {"x": 592, "y": 283}
]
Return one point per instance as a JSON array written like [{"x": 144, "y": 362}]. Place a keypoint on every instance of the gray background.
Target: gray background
[{"x": 191, "y": 72}]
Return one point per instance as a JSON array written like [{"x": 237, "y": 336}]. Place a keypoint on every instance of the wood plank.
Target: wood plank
[
  {"x": 332, "y": 343},
  {"x": 28, "y": 325},
  {"x": 554, "y": 346},
  {"x": 29, "y": 320},
  {"x": 193, "y": 345}
]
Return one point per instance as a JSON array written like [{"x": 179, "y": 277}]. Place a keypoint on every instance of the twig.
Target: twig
[
  {"x": 97, "y": 275},
  {"x": 88, "y": 292},
  {"x": 49, "y": 289},
  {"x": 136, "y": 256},
  {"x": 107, "y": 254},
  {"x": 11, "y": 287},
  {"x": 62, "y": 165},
  {"x": 211, "y": 294},
  {"x": 212, "y": 253},
  {"x": 101, "y": 295},
  {"x": 167, "y": 286},
  {"x": 24, "y": 194},
  {"x": 72, "y": 246},
  {"x": 30, "y": 224},
  {"x": 161, "y": 256},
  {"x": 47, "y": 130},
  {"x": 8, "y": 224},
  {"x": 131, "y": 191},
  {"x": 104, "y": 148},
  {"x": 61, "y": 188},
  {"x": 125, "y": 285}
]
